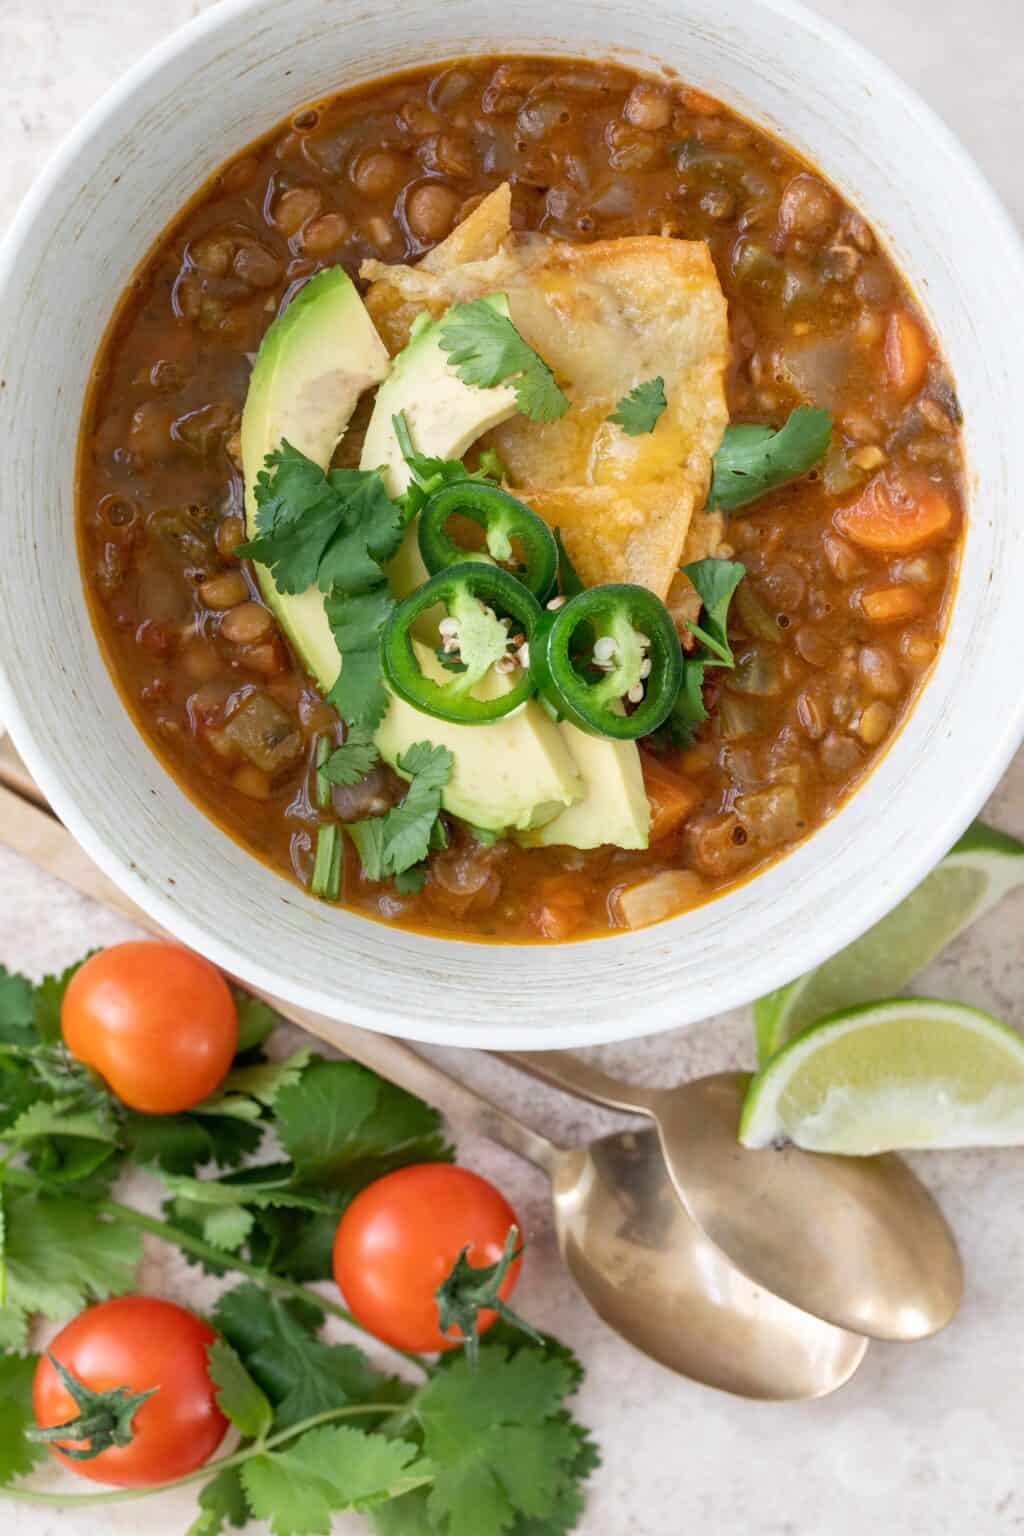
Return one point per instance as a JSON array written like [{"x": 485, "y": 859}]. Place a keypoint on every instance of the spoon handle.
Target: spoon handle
[
  {"x": 564, "y": 1070},
  {"x": 38, "y": 836}
]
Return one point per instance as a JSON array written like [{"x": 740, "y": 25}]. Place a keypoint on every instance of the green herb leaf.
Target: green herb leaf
[
  {"x": 238, "y": 1396},
  {"x": 715, "y": 581},
  {"x": 18, "y": 1454},
  {"x": 17, "y": 1020},
  {"x": 391, "y": 844},
  {"x": 499, "y": 1440},
  {"x": 345, "y": 1127},
  {"x": 256, "y": 1019},
  {"x": 298, "y": 1487},
  {"x": 352, "y": 761},
  {"x": 222, "y": 1502},
  {"x": 485, "y": 349},
  {"x": 688, "y": 712},
  {"x": 247, "y": 1088},
  {"x": 428, "y": 474},
  {"x": 182, "y": 1143},
  {"x": 61, "y": 1253},
  {"x": 359, "y": 694},
  {"x": 277, "y": 1343},
  {"x": 753, "y": 459},
  {"x": 638, "y": 412},
  {"x": 327, "y": 530}
]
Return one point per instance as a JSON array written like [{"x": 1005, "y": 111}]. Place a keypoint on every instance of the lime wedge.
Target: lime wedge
[
  {"x": 982, "y": 867},
  {"x": 911, "y": 1072}
]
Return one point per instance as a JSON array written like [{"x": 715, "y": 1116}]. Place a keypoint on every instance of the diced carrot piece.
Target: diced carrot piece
[
  {"x": 890, "y": 605},
  {"x": 561, "y": 907},
  {"x": 896, "y": 513},
  {"x": 906, "y": 353},
  {"x": 672, "y": 799}
]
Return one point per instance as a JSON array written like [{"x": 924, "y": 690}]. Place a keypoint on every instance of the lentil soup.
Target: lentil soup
[{"x": 849, "y": 567}]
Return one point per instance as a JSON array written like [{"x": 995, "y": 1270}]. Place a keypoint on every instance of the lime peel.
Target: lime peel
[
  {"x": 894, "y": 1075},
  {"x": 983, "y": 867}
]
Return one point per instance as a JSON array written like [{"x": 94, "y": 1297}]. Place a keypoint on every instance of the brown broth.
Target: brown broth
[{"x": 592, "y": 151}]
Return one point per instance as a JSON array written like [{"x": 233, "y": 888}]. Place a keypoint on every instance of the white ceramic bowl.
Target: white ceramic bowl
[{"x": 125, "y": 172}]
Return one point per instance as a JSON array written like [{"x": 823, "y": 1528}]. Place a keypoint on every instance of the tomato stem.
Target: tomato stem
[
  {"x": 280, "y": 1284},
  {"x": 211, "y": 1468}
]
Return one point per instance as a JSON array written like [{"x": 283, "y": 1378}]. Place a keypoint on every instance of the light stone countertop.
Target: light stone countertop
[{"x": 928, "y": 1439}]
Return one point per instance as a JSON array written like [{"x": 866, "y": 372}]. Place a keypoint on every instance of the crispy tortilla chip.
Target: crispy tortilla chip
[
  {"x": 605, "y": 317},
  {"x": 477, "y": 238},
  {"x": 612, "y": 534}
]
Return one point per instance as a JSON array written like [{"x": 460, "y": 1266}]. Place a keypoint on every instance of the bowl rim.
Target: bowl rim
[{"x": 805, "y": 950}]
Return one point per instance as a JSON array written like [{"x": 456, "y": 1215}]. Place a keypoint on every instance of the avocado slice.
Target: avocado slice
[
  {"x": 313, "y": 364},
  {"x": 515, "y": 773},
  {"x": 614, "y": 808},
  {"x": 445, "y": 418}
]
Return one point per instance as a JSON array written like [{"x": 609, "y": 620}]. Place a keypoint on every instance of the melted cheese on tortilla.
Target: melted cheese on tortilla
[{"x": 605, "y": 317}]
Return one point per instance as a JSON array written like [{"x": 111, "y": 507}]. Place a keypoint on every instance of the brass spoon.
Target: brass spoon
[
  {"x": 642, "y": 1263},
  {"x": 856, "y": 1240}
]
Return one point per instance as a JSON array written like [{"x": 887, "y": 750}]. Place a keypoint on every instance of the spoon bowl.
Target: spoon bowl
[
  {"x": 651, "y": 1274},
  {"x": 857, "y": 1241}
]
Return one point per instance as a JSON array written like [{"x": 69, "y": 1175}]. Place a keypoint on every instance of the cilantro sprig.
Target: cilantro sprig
[
  {"x": 394, "y": 846},
  {"x": 484, "y": 1450},
  {"x": 753, "y": 458},
  {"x": 715, "y": 582},
  {"x": 327, "y": 530},
  {"x": 638, "y": 412},
  {"x": 428, "y": 474},
  {"x": 485, "y": 349}
]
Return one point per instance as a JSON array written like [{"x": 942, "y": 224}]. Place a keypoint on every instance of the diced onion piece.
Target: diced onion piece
[{"x": 659, "y": 896}]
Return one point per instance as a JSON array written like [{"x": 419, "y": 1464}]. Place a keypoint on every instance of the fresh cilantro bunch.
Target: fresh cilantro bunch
[{"x": 484, "y": 1451}]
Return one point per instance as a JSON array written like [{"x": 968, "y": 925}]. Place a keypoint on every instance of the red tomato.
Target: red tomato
[
  {"x": 400, "y": 1237},
  {"x": 138, "y": 1342},
  {"x": 157, "y": 1022}
]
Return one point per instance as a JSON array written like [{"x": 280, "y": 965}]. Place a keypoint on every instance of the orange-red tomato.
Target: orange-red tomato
[
  {"x": 398, "y": 1240},
  {"x": 137, "y": 1342},
  {"x": 157, "y": 1022}
]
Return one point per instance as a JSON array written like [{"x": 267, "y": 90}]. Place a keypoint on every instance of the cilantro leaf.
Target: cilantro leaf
[
  {"x": 344, "y": 1126},
  {"x": 359, "y": 694},
  {"x": 391, "y": 844},
  {"x": 278, "y": 1346},
  {"x": 238, "y": 1396},
  {"x": 255, "y": 1020},
  {"x": 688, "y": 712},
  {"x": 638, "y": 412},
  {"x": 298, "y": 1487},
  {"x": 428, "y": 474},
  {"x": 61, "y": 1253},
  {"x": 222, "y": 1503},
  {"x": 183, "y": 1143},
  {"x": 752, "y": 459},
  {"x": 499, "y": 1440},
  {"x": 485, "y": 349},
  {"x": 352, "y": 761},
  {"x": 18, "y": 1455},
  {"x": 17, "y": 1020},
  {"x": 49, "y": 995},
  {"x": 715, "y": 581},
  {"x": 327, "y": 530}
]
